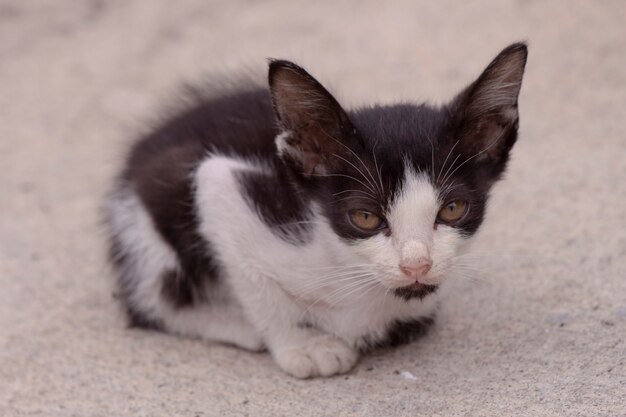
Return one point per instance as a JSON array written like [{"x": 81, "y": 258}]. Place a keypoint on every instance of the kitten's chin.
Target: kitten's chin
[{"x": 415, "y": 290}]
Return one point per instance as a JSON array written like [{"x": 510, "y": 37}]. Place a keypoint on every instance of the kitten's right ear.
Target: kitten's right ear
[{"x": 313, "y": 125}]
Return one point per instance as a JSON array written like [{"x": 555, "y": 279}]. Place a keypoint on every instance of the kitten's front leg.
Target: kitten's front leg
[{"x": 300, "y": 351}]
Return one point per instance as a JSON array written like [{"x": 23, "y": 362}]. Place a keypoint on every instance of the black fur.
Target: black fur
[
  {"x": 279, "y": 205},
  {"x": 399, "y": 333},
  {"x": 326, "y": 148},
  {"x": 415, "y": 291},
  {"x": 402, "y": 332}
]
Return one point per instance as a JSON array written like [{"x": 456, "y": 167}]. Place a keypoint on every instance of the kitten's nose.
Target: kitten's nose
[{"x": 416, "y": 268}]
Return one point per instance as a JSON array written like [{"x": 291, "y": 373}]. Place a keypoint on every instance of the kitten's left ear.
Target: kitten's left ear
[
  {"x": 314, "y": 127},
  {"x": 485, "y": 114}
]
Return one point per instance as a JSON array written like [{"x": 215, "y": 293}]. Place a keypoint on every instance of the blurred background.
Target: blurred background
[{"x": 542, "y": 334}]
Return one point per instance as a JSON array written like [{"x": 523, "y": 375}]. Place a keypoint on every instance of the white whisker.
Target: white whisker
[
  {"x": 469, "y": 159},
  {"x": 446, "y": 160},
  {"x": 445, "y": 176},
  {"x": 359, "y": 171},
  {"x": 339, "y": 292},
  {"x": 356, "y": 291},
  {"x": 311, "y": 286},
  {"x": 318, "y": 268},
  {"x": 355, "y": 191},
  {"x": 333, "y": 279},
  {"x": 326, "y": 297},
  {"x": 353, "y": 153},
  {"x": 355, "y": 197},
  {"x": 346, "y": 176},
  {"x": 432, "y": 160},
  {"x": 378, "y": 170}
]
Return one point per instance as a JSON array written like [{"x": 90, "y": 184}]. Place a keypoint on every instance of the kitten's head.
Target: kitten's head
[{"x": 404, "y": 185}]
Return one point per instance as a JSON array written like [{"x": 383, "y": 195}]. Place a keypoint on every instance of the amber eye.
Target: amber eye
[
  {"x": 365, "y": 220},
  {"x": 452, "y": 211}
]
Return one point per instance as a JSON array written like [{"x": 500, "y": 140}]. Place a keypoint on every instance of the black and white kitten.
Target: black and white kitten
[{"x": 276, "y": 219}]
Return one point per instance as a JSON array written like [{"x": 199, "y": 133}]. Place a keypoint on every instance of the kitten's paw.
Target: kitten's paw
[
  {"x": 296, "y": 362},
  {"x": 323, "y": 355},
  {"x": 331, "y": 355}
]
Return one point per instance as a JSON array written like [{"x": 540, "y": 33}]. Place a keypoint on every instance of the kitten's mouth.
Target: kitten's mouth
[{"x": 415, "y": 290}]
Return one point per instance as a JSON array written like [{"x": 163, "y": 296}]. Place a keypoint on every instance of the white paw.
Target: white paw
[{"x": 323, "y": 355}]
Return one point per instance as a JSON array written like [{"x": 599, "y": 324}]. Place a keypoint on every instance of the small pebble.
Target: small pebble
[{"x": 408, "y": 375}]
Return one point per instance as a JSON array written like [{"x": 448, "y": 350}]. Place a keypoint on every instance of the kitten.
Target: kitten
[{"x": 276, "y": 219}]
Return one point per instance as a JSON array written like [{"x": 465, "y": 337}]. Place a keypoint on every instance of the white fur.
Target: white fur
[{"x": 282, "y": 146}]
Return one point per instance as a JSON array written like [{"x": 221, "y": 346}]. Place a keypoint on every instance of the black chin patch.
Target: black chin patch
[{"x": 415, "y": 291}]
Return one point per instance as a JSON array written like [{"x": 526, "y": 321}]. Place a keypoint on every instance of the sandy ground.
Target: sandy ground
[{"x": 543, "y": 333}]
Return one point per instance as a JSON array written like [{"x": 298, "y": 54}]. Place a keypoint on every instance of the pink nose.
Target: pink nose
[{"x": 416, "y": 269}]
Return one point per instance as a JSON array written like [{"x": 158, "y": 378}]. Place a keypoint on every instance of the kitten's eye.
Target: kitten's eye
[
  {"x": 366, "y": 220},
  {"x": 452, "y": 211}
]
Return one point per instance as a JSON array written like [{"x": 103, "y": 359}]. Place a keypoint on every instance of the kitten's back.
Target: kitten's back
[{"x": 233, "y": 122}]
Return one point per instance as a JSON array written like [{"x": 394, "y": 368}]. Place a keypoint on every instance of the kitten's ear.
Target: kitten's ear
[
  {"x": 486, "y": 114},
  {"x": 313, "y": 124}
]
